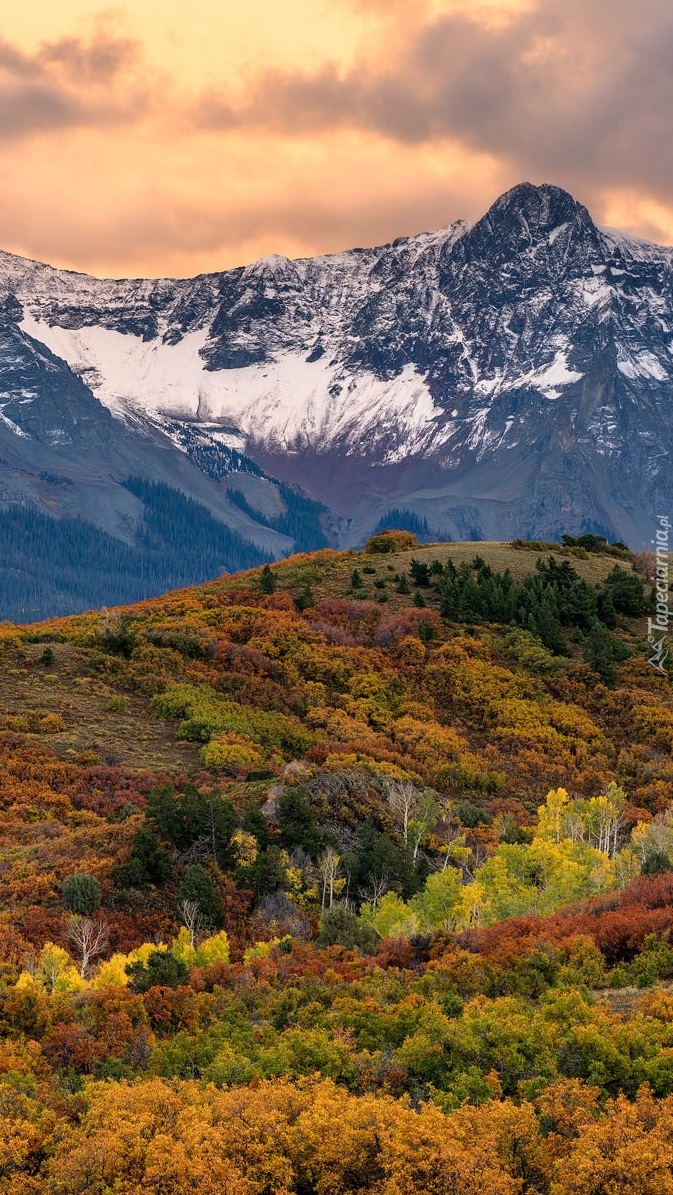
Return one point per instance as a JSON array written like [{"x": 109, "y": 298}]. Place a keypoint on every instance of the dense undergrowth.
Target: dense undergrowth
[{"x": 374, "y": 937}]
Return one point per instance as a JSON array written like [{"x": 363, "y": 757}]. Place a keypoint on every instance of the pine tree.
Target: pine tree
[
  {"x": 198, "y": 886},
  {"x": 81, "y": 894},
  {"x": 549, "y": 629},
  {"x": 267, "y": 580},
  {"x": 420, "y": 573},
  {"x": 603, "y": 651}
]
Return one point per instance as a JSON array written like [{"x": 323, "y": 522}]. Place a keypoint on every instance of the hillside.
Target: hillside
[
  {"x": 79, "y": 691},
  {"x": 318, "y": 878}
]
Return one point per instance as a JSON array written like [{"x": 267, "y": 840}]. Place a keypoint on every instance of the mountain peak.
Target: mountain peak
[
  {"x": 543, "y": 207},
  {"x": 527, "y": 216}
]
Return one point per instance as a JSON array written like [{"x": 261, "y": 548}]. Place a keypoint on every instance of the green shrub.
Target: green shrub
[
  {"x": 81, "y": 894},
  {"x": 339, "y": 926},
  {"x": 471, "y": 815},
  {"x": 161, "y": 970}
]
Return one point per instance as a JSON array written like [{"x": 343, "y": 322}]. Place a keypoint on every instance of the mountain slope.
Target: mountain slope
[
  {"x": 510, "y": 377},
  {"x": 334, "y": 896}
]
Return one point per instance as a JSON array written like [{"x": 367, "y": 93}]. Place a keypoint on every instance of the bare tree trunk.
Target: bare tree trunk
[
  {"x": 328, "y": 868},
  {"x": 89, "y": 938},
  {"x": 376, "y": 887},
  {"x": 192, "y": 918}
]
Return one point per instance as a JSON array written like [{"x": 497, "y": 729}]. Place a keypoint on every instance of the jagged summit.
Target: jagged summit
[
  {"x": 505, "y": 378},
  {"x": 543, "y": 208},
  {"x": 529, "y": 219}
]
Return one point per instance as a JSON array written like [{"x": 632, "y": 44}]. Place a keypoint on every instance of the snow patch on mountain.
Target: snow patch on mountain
[
  {"x": 288, "y": 404},
  {"x": 642, "y": 365},
  {"x": 125, "y": 372},
  {"x": 13, "y": 427},
  {"x": 550, "y": 379}
]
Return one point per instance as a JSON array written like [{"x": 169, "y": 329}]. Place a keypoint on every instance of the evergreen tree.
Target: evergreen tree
[
  {"x": 81, "y": 894},
  {"x": 198, "y": 886},
  {"x": 306, "y": 599},
  {"x": 627, "y": 591},
  {"x": 255, "y": 823},
  {"x": 266, "y": 874},
  {"x": 297, "y": 822},
  {"x": 606, "y": 608},
  {"x": 149, "y": 863},
  {"x": 549, "y": 629},
  {"x": 162, "y": 969},
  {"x": 603, "y": 651},
  {"x": 420, "y": 574},
  {"x": 185, "y": 818},
  {"x": 164, "y": 814},
  {"x": 267, "y": 580}
]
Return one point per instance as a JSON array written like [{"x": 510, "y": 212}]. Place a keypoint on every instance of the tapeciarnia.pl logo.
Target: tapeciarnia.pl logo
[{"x": 657, "y": 627}]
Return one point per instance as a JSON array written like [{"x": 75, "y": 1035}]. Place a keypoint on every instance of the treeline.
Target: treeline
[
  {"x": 405, "y": 520},
  {"x": 596, "y": 544},
  {"x": 545, "y": 602},
  {"x": 302, "y": 518},
  {"x": 54, "y": 566},
  {"x": 300, "y": 521},
  {"x": 214, "y": 459},
  {"x": 192, "y": 543}
]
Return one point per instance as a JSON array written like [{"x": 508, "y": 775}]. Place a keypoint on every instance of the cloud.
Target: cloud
[
  {"x": 191, "y": 210},
  {"x": 210, "y": 135},
  {"x": 69, "y": 83},
  {"x": 568, "y": 88}
]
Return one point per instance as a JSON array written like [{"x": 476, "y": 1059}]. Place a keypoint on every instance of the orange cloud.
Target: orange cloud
[
  {"x": 69, "y": 83},
  {"x": 163, "y": 139}
]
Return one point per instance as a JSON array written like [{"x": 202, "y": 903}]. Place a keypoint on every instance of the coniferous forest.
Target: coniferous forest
[{"x": 49, "y": 565}]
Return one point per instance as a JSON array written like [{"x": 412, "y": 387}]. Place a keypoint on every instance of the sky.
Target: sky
[{"x": 158, "y": 137}]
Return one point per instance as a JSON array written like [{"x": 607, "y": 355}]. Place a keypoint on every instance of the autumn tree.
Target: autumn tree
[
  {"x": 415, "y": 811},
  {"x": 192, "y": 917},
  {"x": 329, "y": 865}
]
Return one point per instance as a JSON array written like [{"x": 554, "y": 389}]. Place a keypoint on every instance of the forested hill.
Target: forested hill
[{"x": 349, "y": 873}]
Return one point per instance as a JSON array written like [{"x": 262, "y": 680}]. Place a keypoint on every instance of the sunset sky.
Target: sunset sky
[{"x": 157, "y": 137}]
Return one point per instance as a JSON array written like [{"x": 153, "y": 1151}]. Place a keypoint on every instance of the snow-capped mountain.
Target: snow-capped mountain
[{"x": 512, "y": 377}]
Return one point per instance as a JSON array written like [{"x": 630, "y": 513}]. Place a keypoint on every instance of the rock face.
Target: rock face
[{"x": 513, "y": 377}]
